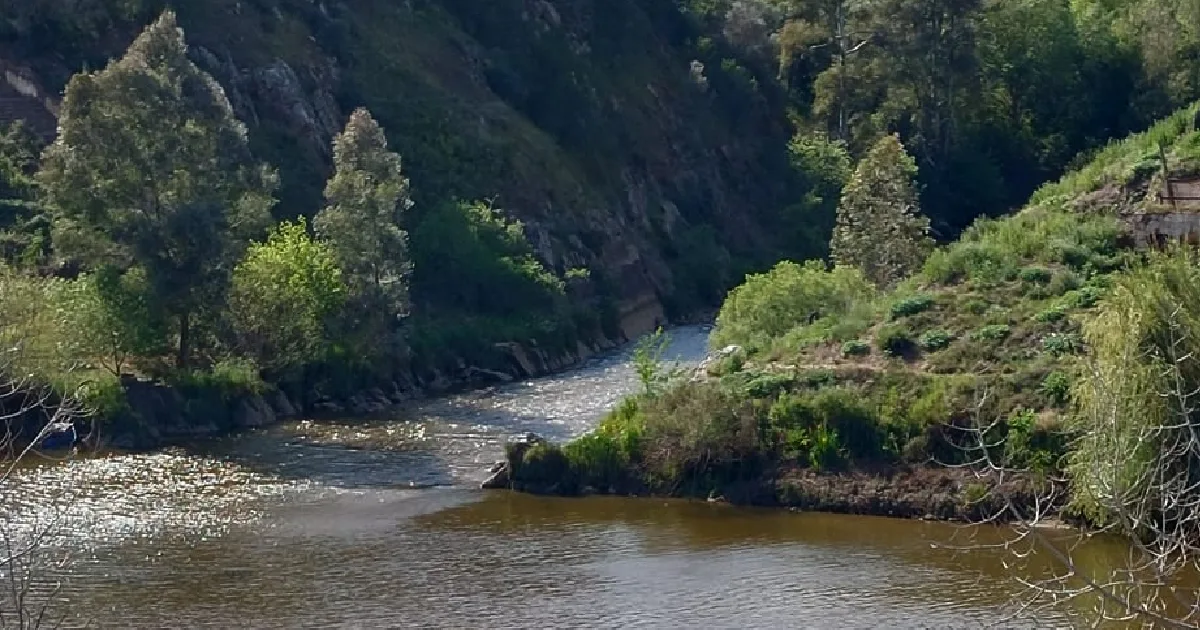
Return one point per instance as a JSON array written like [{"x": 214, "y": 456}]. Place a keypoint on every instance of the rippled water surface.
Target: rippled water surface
[{"x": 377, "y": 524}]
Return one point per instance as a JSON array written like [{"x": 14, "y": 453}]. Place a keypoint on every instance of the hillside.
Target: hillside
[
  {"x": 817, "y": 373},
  {"x": 592, "y": 130}
]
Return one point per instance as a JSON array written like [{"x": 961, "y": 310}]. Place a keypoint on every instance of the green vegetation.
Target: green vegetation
[
  {"x": 880, "y": 229},
  {"x": 154, "y": 192},
  {"x": 984, "y": 347},
  {"x": 151, "y": 170},
  {"x": 282, "y": 298},
  {"x": 823, "y": 304}
]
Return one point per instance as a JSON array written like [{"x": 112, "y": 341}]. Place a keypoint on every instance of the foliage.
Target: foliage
[
  {"x": 911, "y": 305},
  {"x": 152, "y": 170},
  {"x": 856, "y": 348},
  {"x": 993, "y": 251},
  {"x": 1035, "y": 275},
  {"x": 1052, "y": 314},
  {"x": 362, "y": 222},
  {"x": 1136, "y": 375},
  {"x": 1061, "y": 343},
  {"x": 472, "y": 258},
  {"x": 109, "y": 318},
  {"x": 24, "y": 226},
  {"x": 934, "y": 340},
  {"x": 992, "y": 332},
  {"x": 283, "y": 295},
  {"x": 879, "y": 226},
  {"x": 788, "y": 297},
  {"x": 1057, "y": 387},
  {"x": 647, "y": 362}
]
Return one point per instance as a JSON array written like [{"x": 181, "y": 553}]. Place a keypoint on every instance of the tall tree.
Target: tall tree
[
  {"x": 24, "y": 229},
  {"x": 366, "y": 201},
  {"x": 879, "y": 227},
  {"x": 152, "y": 169}
]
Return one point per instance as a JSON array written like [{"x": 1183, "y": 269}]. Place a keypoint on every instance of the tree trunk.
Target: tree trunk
[{"x": 185, "y": 340}]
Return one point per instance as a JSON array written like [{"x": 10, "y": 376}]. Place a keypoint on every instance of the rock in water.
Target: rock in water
[{"x": 499, "y": 478}]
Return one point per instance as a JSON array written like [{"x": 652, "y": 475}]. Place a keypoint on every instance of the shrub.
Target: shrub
[
  {"x": 824, "y": 427},
  {"x": 282, "y": 296},
  {"x": 934, "y": 340},
  {"x": 992, "y": 250},
  {"x": 1083, "y": 297},
  {"x": 598, "y": 460},
  {"x": 1051, "y": 315},
  {"x": 856, "y": 348},
  {"x": 1035, "y": 275},
  {"x": 1056, "y": 387},
  {"x": 916, "y": 450},
  {"x": 1063, "y": 281},
  {"x": 698, "y": 436},
  {"x": 894, "y": 341},
  {"x": 1061, "y": 343},
  {"x": 789, "y": 296},
  {"x": 976, "y": 306},
  {"x": 911, "y": 306},
  {"x": 993, "y": 332},
  {"x": 544, "y": 463}
]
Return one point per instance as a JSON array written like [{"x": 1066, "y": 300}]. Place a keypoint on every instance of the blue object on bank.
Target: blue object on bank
[{"x": 60, "y": 435}]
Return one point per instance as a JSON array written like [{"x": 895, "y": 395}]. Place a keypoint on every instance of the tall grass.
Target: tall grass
[
  {"x": 994, "y": 250},
  {"x": 1122, "y": 161},
  {"x": 1136, "y": 414}
]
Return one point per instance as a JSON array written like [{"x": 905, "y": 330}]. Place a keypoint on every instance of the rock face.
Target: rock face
[
  {"x": 158, "y": 415},
  {"x": 583, "y": 120}
]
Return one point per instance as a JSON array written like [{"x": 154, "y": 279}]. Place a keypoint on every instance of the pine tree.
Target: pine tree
[
  {"x": 151, "y": 169},
  {"x": 879, "y": 227},
  {"x": 365, "y": 204}
]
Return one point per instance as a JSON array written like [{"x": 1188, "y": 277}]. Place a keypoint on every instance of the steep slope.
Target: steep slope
[{"x": 591, "y": 121}]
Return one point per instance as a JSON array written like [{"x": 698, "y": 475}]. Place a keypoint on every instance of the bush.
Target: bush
[
  {"x": 934, "y": 340},
  {"x": 856, "y": 348},
  {"x": 282, "y": 296},
  {"x": 1084, "y": 297},
  {"x": 1051, "y": 315},
  {"x": 994, "y": 250},
  {"x": 824, "y": 428},
  {"x": 1061, "y": 343},
  {"x": 698, "y": 437},
  {"x": 1035, "y": 275},
  {"x": 894, "y": 341},
  {"x": 976, "y": 306},
  {"x": 599, "y": 460},
  {"x": 1056, "y": 387},
  {"x": 1063, "y": 281},
  {"x": 993, "y": 332},
  {"x": 103, "y": 396},
  {"x": 911, "y": 306},
  {"x": 543, "y": 463},
  {"x": 790, "y": 296}
]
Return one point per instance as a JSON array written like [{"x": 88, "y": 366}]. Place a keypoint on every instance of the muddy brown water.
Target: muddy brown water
[{"x": 377, "y": 524}]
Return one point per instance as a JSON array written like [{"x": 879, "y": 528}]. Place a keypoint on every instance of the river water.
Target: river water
[{"x": 378, "y": 524}]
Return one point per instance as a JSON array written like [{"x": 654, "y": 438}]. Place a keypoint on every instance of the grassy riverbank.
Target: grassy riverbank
[{"x": 951, "y": 395}]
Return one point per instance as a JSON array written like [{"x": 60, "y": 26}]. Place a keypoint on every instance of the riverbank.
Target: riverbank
[
  {"x": 902, "y": 491},
  {"x": 157, "y": 415}
]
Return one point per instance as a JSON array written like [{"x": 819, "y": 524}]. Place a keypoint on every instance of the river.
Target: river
[{"x": 378, "y": 524}]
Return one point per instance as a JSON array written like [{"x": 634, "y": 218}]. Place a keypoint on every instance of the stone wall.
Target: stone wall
[{"x": 1156, "y": 229}]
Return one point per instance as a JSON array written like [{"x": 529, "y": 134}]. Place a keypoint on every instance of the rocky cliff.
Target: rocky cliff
[{"x": 612, "y": 128}]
